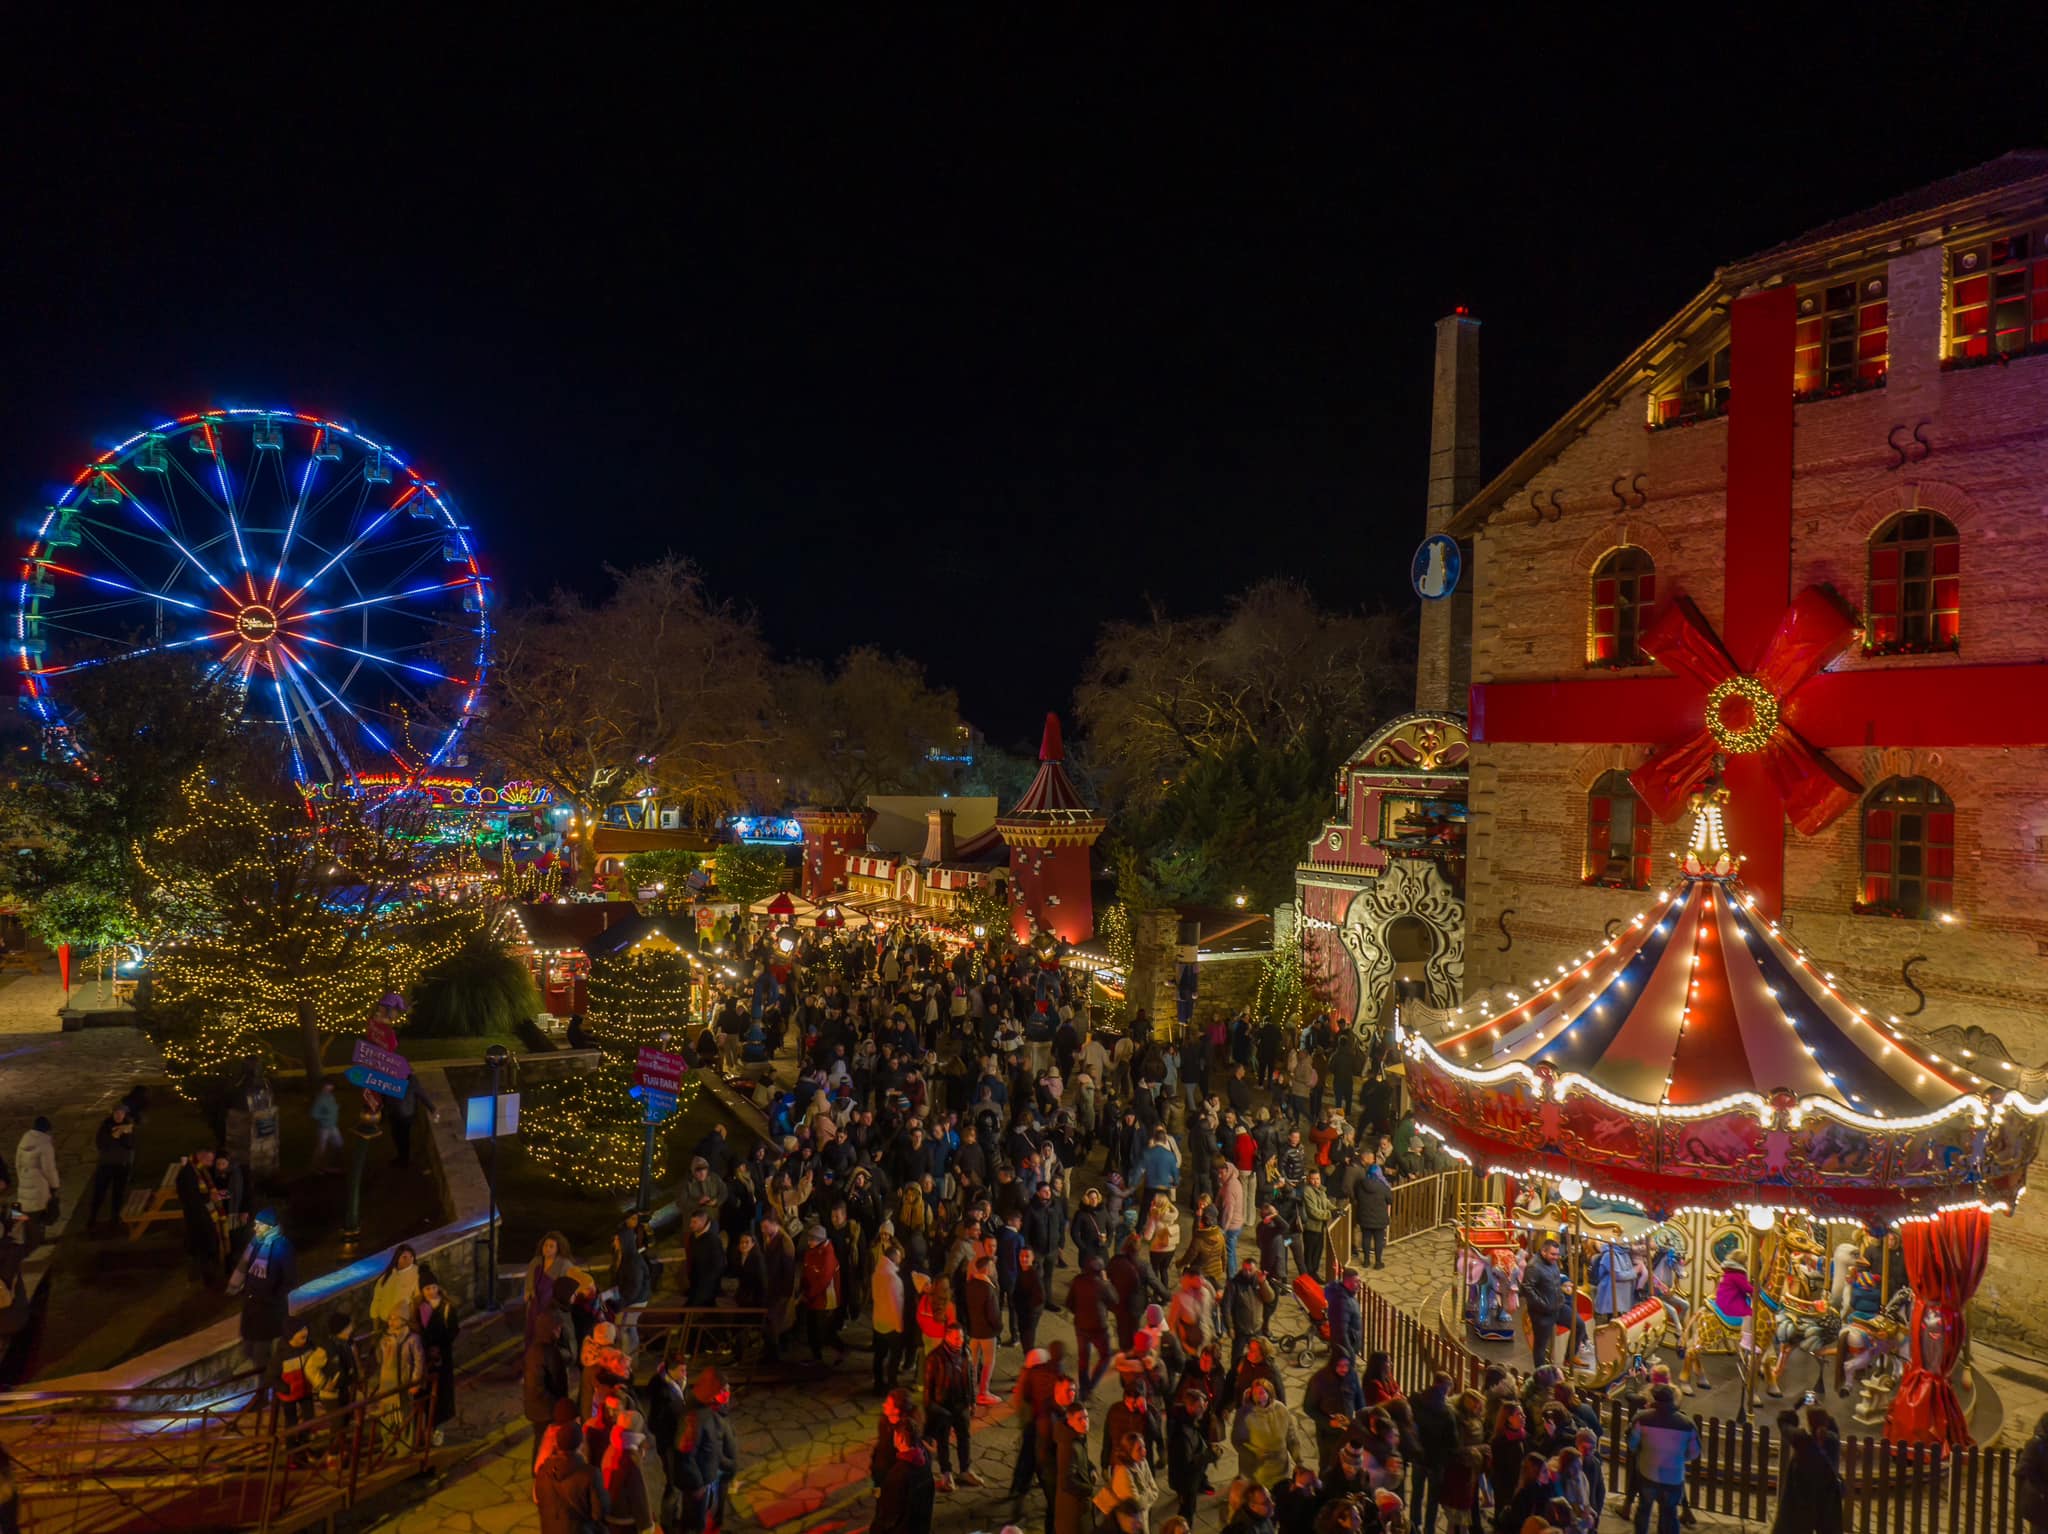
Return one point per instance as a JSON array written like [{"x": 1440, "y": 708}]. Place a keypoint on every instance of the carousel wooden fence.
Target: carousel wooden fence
[{"x": 1888, "y": 1488}]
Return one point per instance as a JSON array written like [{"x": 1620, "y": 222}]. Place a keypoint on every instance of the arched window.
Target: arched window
[
  {"x": 1617, "y": 834},
  {"x": 1909, "y": 849},
  {"x": 1915, "y": 587},
  {"x": 1624, "y": 586}
]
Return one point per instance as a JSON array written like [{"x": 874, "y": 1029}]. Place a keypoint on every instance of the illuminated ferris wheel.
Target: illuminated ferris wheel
[{"x": 330, "y": 584}]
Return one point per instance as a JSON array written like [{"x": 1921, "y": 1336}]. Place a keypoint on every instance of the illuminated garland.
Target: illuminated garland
[
  {"x": 1115, "y": 932},
  {"x": 252, "y": 936},
  {"x": 587, "y": 1129}
]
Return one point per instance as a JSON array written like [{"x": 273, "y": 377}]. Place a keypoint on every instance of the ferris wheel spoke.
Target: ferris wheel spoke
[
  {"x": 227, "y": 501},
  {"x": 396, "y": 596},
  {"x": 298, "y": 509},
  {"x": 316, "y": 711},
  {"x": 388, "y": 662},
  {"x": 135, "y": 591},
  {"x": 157, "y": 522},
  {"x": 110, "y": 660},
  {"x": 284, "y": 719},
  {"x": 351, "y": 546},
  {"x": 346, "y": 707}
]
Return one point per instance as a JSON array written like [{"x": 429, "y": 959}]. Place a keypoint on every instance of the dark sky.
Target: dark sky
[{"x": 959, "y": 337}]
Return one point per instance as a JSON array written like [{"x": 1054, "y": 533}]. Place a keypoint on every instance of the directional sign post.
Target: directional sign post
[
  {"x": 378, "y": 1069},
  {"x": 658, "y": 1083}
]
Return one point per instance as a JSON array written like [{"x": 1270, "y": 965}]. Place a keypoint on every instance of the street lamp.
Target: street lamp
[
  {"x": 495, "y": 1058},
  {"x": 1240, "y": 900}
]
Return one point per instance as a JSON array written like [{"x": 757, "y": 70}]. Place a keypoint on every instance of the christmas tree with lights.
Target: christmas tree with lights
[{"x": 588, "y": 1129}]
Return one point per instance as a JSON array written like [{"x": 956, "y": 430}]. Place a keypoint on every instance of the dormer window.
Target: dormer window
[
  {"x": 1998, "y": 297},
  {"x": 1843, "y": 342}
]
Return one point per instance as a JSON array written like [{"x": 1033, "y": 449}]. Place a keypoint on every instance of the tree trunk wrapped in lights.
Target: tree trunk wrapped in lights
[{"x": 588, "y": 1129}]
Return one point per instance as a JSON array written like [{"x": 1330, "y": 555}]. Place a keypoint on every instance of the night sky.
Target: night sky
[{"x": 959, "y": 338}]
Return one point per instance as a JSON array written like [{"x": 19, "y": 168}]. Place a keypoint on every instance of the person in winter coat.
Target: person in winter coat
[
  {"x": 264, "y": 1276},
  {"x": 1233, "y": 1203},
  {"x": 1314, "y": 1206},
  {"x": 1088, "y": 1297},
  {"x": 439, "y": 1329},
  {"x": 984, "y": 1325},
  {"x": 903, "y": 1501},
  {"x": 1505, "y": 1453},
  {"x": 706, "y": 1450},
  {"x": 602, "y": 1364},
  {"x": 1074, "y": 1479},
  {"x": 1275, "y": 1236},
  {"x": 291, "y": 1374},
  {"x": 1028, "y": 1299},
  {"x": 545, "y": 1376},
  {"x": 820, "y": 1283},
  {"x": 1204, "y": 1254},
  {"x": 1256, "y": 1365},
  {"x": 566, "y": 1489},
  {"x": 114, "y": 1147},
  {"x": 401, "y": 1377},
  {"x": 1136, "y": 1412},
  {"x": 1127, "y": 1477},
  {"x": 1247, "y": 1301},
  {"x": 885, "y": 1299},
  {"x": 1810, "y": 1498},
  {"x": 703, "y": 1261},
  {"x": 1188, "y": 1452},
  {"x": 1265, "y": 1437},
  {"x": 1042, "y": 1227},
  {"x": 949, "y": 1405},
  {"x": 778, "y": 1281},
  {"x": 1254, "y": 1514},
  {"x": 1347, "y": 1319},
  {"x": 1332, "y": 1399},
  {"x": 1372, "y": 1210},
  {"x": 624, "y": 1478},
  {"x": 1191, "y": 1313},
  {"x": 1086, "y": 1228},
  {"x": 1436, "y": 1431},
  {"x": 1161, "y": 1234}
]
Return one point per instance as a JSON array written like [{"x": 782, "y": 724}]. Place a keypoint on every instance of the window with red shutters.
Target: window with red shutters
[
  {"x": 1909, "y": 849},
  {"x": 1998, "y": 297},
  {"x": 1624, "y": 589},
  {"x": 1914, "y": 603},
  {"x": 1617, "y": 834},
  {"x": 1843, "y": 338}
]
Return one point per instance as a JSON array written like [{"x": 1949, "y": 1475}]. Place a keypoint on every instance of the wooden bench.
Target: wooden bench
[
  {"x": 19, "y": 958},
  {"x": 144, "y": 1207}
]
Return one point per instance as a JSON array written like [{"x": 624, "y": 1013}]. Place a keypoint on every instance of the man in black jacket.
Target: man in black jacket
[
  {"x": 1372, "y": 1209},
  {"x": 1437, "y": 1431},
  {"x": 1549, "y": 1307}
]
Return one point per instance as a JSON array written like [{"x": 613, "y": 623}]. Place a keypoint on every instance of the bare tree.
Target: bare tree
[{"x": 868, "y": 726}]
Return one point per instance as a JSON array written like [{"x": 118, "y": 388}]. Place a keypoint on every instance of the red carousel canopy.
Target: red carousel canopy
[{"x": 1699, "y": 1058}]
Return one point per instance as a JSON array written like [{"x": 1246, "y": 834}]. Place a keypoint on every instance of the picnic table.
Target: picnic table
[{"x": 144, "y": 1207}]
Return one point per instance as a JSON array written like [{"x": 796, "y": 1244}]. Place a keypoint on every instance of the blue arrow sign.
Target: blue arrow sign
[
  {"x": 658, "y": 1105},
  {"x": 391, "y": 1086}
]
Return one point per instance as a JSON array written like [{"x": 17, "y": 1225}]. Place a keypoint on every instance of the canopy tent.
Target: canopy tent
[
  {"x": 796, "y": 911},
  {"x": 1699, "y": 1058}
]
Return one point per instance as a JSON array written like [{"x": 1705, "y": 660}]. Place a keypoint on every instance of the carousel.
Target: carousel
[{"x": 1751, "y": 1178}]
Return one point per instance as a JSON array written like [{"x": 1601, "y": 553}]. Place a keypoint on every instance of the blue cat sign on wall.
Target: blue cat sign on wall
[{"x": 1435, "y": 571}]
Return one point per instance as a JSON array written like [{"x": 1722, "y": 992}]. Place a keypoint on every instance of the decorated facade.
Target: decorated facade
[
  {"x": 1799, "y": 526},
  {"x": 1380, "y": 895}
]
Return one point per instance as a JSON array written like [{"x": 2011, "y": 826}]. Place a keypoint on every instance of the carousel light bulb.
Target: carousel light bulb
[
  {"x": 1762, "y": 1217},
  {"x": 1571, "y": 1190}
]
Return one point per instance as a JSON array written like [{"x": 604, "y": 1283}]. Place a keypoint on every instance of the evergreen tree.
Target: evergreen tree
[{"x": 587, "y": 1129}]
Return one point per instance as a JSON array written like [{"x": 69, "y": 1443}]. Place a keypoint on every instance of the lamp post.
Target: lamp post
[{"x": 495, "y": 1058}]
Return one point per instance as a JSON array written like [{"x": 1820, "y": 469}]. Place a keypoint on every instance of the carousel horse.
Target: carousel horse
[
  {"x": 1717, "y": 1328},
  {"x": 1876, "y": 1345}
]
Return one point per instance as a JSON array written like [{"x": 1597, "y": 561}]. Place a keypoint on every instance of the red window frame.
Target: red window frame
[
  {"x": 1624, "y": 590},
  {"x": 1909, "y": 849},
  {"x": 1913, "y": 603},
  {"x": 1998, "y": 296},
  {"x": 1617, "y": 834},
  {"x": 1843, "y": 335}
]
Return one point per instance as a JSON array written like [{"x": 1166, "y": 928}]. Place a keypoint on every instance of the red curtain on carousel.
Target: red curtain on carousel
[{"x": 1944, "y": 1264}]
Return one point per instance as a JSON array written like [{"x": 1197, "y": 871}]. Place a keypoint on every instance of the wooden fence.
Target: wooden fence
[{"x": 1888, "y": 1488}]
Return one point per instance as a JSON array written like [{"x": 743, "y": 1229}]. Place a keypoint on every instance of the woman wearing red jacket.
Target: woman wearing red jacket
[{"x": 819, "y": 1290}]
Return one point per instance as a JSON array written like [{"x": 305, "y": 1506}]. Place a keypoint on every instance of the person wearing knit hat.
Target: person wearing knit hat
[{"x": 818, "y": 1288}]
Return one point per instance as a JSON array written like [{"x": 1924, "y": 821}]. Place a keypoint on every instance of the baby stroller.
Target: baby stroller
[{"x": 1299, "y": 1345}]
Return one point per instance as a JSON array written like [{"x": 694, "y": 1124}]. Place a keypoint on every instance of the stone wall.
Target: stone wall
[{"x": 1988, "y": 431}]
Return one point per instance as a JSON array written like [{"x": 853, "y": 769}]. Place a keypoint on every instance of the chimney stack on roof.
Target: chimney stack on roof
[{"x": 938, "y": 836}]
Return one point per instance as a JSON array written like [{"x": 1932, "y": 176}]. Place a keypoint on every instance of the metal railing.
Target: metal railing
[{"x": 97, "y": 1463}]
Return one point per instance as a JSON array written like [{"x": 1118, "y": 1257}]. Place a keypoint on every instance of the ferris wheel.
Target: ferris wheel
[{"x": 318, "y": 574}]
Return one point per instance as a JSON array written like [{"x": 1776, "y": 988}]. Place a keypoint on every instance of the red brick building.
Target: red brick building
[{"x": 1850, "y": 428}]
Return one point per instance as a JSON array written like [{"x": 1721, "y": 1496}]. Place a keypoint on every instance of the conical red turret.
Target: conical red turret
[{"x": 1049, "y": 831}]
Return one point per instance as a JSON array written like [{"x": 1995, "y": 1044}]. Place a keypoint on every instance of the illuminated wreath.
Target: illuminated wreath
[{"x": 1763, "y": 716}]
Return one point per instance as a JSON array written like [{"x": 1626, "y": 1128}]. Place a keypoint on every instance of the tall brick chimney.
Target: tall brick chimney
[
  {"x": 1443, "y": 663},
  {"x": 938, "y": 836}
]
